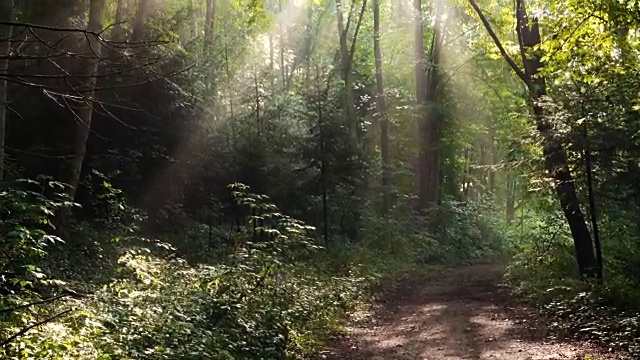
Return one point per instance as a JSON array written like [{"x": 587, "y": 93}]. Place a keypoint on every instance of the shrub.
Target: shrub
[{"x": 267, "y": 300}]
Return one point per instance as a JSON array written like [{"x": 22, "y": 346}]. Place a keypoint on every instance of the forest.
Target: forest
[{"x": 243, "y": 179}]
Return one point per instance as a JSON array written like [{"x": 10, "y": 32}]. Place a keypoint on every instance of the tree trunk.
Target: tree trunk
[
  {"x": 555, "y": 158},
  {"x": 381, "y": 106},
  {"x": 6, "y": 14},
  {"x": 272, "y": 67},
  {"x": 426, "y": 96},
  {"x": 323, "y": 163},
  {"x": 510, "y": 211},
  {"x": 344, "y": 61},
  {"x": 432, "y": 114},
  {"x": 593, "y": 211},
  {"x": 421, "y": 99},
  {"x": 193, "y": 27},
  {"x": 493, "y": 158},
  {"x": 346, "y": 57},
  {"x": 283, "y": 65},
  {"x": 121, "y": 15},
  {"x": 84, "y": 112},
  {"x": 137, "y": 32},
  {"x": 209, "y": 26}
]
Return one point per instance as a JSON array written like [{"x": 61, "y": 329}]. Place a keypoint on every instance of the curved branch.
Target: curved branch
[{"x": 501, "y": 48}]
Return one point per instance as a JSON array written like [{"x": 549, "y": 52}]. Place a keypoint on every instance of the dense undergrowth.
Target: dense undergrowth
[
  {"x": 543, "y": 272},
  {"x": 263, "y": 290}
]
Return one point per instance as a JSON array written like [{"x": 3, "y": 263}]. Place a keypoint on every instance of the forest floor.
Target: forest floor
[{"x": 453, "y": 314}]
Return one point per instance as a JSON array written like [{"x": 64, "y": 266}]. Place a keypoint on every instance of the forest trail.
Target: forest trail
[{"x": 453, "y": 314}]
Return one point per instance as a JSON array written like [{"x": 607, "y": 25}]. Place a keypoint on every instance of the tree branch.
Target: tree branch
[
  {"x": 12, "y": 309},
  {"x": 23, "y": 331},
  {"x": 501, "y": 48}
]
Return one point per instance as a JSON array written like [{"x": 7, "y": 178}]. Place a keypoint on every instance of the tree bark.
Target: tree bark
[
  {"x": 281, "y": 40},
  {"x": 555, "y": 158},
  {"x": 510, "y": 211},
  {"x": 209, "y": 26},
  {"x": 84, "y": 112},
  {"x": 382, "y": 112},
  {"x": 6, "y": 14},
  {"x": 426, "y": 96},
  {"x": 346, "y": 56},
  {"x": 121, "y": 14},
  {"x": 142, "y": 13},
  {"x": 422, "y": 102},
  {"x": 593, "y": 211},
  {"x": 432, "y": 128},
  {"x": 344, "y": 60}
]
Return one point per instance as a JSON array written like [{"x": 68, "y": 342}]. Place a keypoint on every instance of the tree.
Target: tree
[
  {"x": 118, "y": 32},
  {"x": 142, "y": 13},
  {"x": 426, "y": 95},
  {"x": 381, "y": 108},
  {"x": 555, "y": 158},
  {"x": 209, "y": 25},
  {"x": 83, "y": 113},
  {"x": 6, "y": 34},
  {"x": 346, "y": 60}
]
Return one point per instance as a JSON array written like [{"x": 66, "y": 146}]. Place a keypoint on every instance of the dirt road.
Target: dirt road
[{"x": 452, "y": 315}]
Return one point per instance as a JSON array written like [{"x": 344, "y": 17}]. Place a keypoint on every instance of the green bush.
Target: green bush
[{"x": 267, "y": 300}]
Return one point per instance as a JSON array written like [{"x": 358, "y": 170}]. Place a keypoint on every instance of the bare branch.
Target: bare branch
[
  {"x": 44, "y": 301},
  {"x": 23, "y": 331}
]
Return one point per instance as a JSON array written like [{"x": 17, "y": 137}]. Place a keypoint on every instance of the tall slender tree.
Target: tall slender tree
[
  {"x": 381, "y": 107},
  {"x": 555, "y": 157},
  {"x": 83, "y": 113},
  {"x": 118, "y": 33},
  {"x": 426, "y": 96},
  {"x": 6, "y": 33},
  {"x": 209, "y": 22},
  {"x": 346, "y": 59}
]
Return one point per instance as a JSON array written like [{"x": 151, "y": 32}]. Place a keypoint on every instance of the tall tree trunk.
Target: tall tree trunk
[
  {"x": 209, "y": 26},
  {"x": 593, "y": 211},
  {"x": 421, "y": 98},
  {"x": 117, "y": 33},
  {"x": 344, "y": 61},
  {"x": 493, "y": 158},
  {"x": 272, "y": 67},
  {"x": 283, "y": 66},
  {"x": 426, "y": 96},
  {"x": 555, "y": 158},
  {"x": 193, "y": 26},
  {"x": 346, "y": 57},
  {"x": 432, "y": 114},
  {"x": 323, "y": 160},
  {"x": 84, "y": 112},
  {"x": 6, "y": 32},
  {"x": 510, "y": 210},
  {"x": 142, "y": 13},
  {"x": 381, "y": 106}
]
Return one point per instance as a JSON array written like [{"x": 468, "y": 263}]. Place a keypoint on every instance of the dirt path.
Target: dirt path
[{"x": 452, "y": 315}]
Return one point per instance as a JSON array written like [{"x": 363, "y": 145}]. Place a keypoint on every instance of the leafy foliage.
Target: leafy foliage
[{"x": 259, "y": 303}]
